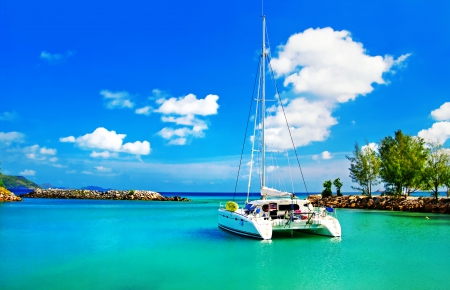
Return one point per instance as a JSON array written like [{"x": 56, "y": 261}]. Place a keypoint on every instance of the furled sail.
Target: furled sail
[{"x": 266, "y": 191}]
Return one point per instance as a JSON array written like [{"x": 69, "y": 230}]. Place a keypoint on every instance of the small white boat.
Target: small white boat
[{"x": 275, "y": 211}]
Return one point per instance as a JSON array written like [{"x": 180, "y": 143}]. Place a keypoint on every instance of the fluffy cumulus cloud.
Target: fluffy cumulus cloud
[
  {"x": 189, "y": 105},
  {"x": 443, "y": 113},
  {"x": 69, "y": 139},
  {"x": 325, "y": 155},
  {"x": 372, "y": 146},
  {"x": 440, "y": 130},
  {"x": 329, "y": 64},
  {"x": 321, "y": 68},
  {"x": 28, "y": 172},
  {"x": 109, "y": 141},
  {"x": 11, "y": 137},
  {"x": 308, "y": 121},
  {"x": 117, "y": 99},
  {"x": 38, "y": 153},
  {"x": 186, "y": 112}
]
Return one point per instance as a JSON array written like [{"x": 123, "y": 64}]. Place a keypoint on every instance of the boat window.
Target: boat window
[
  {"x": 273, "y": 205},
  {"x": 289, "y": 207}
]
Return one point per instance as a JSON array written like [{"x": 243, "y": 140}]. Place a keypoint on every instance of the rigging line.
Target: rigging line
[
  {"x": 290, "y": 171},
  {"x": 278, "y": 171},
  {"x": 246, "y": 129},
  {"x": 285, "y": 118}
]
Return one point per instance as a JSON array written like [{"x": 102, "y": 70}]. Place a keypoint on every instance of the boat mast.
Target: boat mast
[{"x": 263, "y": 103}]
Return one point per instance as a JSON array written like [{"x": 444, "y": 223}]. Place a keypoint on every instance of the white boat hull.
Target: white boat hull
[
  {"x": 261, "y": 227},
  {"x": 247, "y": 225}
]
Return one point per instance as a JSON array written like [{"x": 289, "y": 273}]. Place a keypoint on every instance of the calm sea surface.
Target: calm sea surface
[{"x": 92, "y": 244}]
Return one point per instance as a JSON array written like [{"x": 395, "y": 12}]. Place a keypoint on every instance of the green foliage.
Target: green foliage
[
  {"x": 364, "y": 168},
  {"x": 131, "y": 192},
  {"x": 17, "y": 182},
  {"x": 402, "y": 161},
  {"x": 327, "y": 191},
  {"x": 338, "y": 184},
  {"x": 437, "y": 169}
]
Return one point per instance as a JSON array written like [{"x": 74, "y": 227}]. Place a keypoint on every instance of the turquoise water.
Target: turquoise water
[{"x": 86, "y": 244}]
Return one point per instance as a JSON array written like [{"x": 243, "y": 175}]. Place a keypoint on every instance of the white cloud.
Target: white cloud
[
  {"x": 138, "y": 147},
  {"x": 103, "y": 154},
  {"x": 190, "y": 105},
  {"x": 321, "y": 68},
  {"x": 326, "y": 155},
  {"x": 373, "y": 146},
  {"x": 117, "y": 99},
  {"x": 10, "y": 137},
  {"x": 271, "y": 168},
  {"x": 330, "y": 65},
  {"x": 48, "y": 56},
  {"x": 47, "y": 151},
  {"x": 69, "y": 139},
  {"x": 28, "y": 172},
  {"x": 55, "y": 57},
  {"x": 443, "y": 113},
  {"x": 103, "y": 169},
  {"x": 308, "y": 122},
  {"x": 8, "y": 116},
  {"x": 103, "y": 139},
  {"x": 178, "y": 136},
  {"x": 439, "y": 132},
  {"x": 185, "y": 111},
  {"x": 178, "y": 141},
  {"x": 86, "y": 172},
  {"x": 36, "y": 152},
  {"x": 144, "y": 110}
]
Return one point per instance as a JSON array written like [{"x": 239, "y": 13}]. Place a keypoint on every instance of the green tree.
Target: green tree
[
  {"x": 327, "y": 191},
  {"x": 402, "y": 161},
  {"x": 338, "y": 184},
  {"x": 437, "y": 169},
  {"x": 364, "y": 168}
]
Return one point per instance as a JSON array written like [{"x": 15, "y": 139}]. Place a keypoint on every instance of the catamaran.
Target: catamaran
[{"x": 275, "y": 210}]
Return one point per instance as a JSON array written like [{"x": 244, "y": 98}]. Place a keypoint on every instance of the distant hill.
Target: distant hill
[
  {"x": 90, "y": 187},
  {"x": 46, "y": 185},
  {"x": 17, "y": 182}
]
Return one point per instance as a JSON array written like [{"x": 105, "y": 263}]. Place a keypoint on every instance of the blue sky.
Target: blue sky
[{"x": 154, "y": 94}]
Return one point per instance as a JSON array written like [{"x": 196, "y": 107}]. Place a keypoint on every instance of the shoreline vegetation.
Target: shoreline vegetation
[
  {"x": 388, "y": 203},
  {"x": 107, "y": 195}
]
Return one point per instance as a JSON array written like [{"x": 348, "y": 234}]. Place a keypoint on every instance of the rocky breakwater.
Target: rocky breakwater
[
  {"x": 411, "y": 204},
  {"x": 110, "y": 194},
  {"x": 6, "y": 195}
]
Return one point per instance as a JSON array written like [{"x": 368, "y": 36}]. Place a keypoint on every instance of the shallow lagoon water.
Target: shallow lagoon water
[{"x": 104, "y": 244}]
